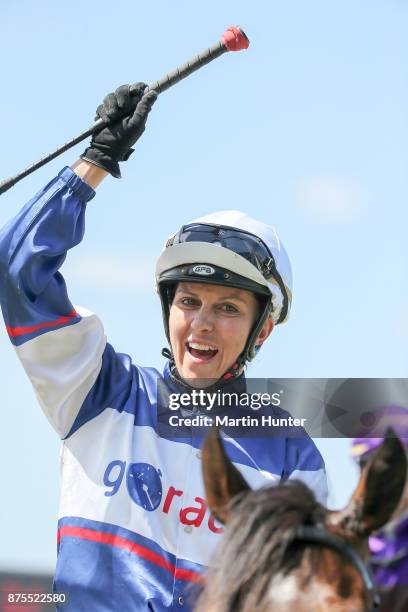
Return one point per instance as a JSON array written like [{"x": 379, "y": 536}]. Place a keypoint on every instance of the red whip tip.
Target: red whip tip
[{"x": 235, "y": 39}]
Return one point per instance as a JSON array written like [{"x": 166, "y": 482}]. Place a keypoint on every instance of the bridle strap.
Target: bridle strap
[{"x": 317, "y": 535}]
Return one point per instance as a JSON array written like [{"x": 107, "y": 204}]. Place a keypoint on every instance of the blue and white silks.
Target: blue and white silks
[{"x": 134, "y": 530}]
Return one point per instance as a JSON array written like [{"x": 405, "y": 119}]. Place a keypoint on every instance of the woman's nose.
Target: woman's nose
[{"x": 203, "y": 320}]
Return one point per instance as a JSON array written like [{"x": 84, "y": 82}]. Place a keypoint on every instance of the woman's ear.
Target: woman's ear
[{"x": 265, "y": 332}]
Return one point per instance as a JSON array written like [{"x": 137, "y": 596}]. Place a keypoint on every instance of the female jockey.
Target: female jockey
[{"x": 134, "y": 531}]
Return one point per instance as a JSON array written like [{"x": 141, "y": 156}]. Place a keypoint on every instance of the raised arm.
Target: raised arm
[{"x": 63, "y": 349}]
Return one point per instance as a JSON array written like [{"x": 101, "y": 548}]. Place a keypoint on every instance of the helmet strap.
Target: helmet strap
[
  {"x": 167, "y": 353},
  {"x": 234, "y": 371}
]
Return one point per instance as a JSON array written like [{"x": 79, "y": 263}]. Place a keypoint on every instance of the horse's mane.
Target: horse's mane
[{"x": 258, "y": 543}]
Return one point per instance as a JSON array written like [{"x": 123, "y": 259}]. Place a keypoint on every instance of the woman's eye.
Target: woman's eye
[
  {"x": 188, "y": 301},
  {"x": 229, "y": 308}
]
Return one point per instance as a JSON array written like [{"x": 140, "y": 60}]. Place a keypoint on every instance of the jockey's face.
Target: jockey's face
[{"x": 209, "y": 326}]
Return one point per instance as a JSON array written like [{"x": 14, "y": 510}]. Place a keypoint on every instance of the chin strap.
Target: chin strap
[
  {"x": 233, "y": 372},
  {"x": 166, "y": 353}
]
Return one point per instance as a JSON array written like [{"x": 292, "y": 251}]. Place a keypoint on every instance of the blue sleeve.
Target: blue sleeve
[
  {"x": 33, "y": 246},
  {"x": 63, "y": 349}
]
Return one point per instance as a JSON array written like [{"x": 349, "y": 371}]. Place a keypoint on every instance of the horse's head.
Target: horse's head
[{"x": 282, "y": 550}]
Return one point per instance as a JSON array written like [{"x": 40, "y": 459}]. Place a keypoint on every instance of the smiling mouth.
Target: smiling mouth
[{"x": 201, "y": 352}]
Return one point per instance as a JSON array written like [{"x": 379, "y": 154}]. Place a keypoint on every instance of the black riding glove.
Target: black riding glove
[{"x": 125, "y": 113}]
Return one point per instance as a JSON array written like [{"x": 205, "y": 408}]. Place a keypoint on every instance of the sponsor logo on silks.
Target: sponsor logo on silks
[
  {"x": 144, "y": 486},
  {"x": 203, "y": 270}
]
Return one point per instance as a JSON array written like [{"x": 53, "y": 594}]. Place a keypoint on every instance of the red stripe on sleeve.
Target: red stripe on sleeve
[{"x": 20, "y": 331}]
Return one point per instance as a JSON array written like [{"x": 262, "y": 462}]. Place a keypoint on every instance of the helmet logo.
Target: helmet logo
[{"x": 203, "y": 270}]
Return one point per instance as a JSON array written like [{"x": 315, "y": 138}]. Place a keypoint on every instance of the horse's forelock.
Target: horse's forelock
[{"x": 258, "y": 542}]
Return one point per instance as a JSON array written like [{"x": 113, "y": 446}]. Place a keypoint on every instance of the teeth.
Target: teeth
[{"x": 201, "y": 347}]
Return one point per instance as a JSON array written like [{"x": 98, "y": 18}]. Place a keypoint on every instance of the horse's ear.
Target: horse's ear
[
  {"x": 222, "y": 480},
  {"x": 378, "y": 492}
]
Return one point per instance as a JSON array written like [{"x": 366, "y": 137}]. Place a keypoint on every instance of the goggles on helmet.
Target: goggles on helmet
[{"x": 241, "y": 242}]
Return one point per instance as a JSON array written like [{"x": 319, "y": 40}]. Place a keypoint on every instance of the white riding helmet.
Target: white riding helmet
[{"x": 229, "y": 248}]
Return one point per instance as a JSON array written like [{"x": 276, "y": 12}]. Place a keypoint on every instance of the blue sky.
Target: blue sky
[{"x": 306, "y": 130}]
